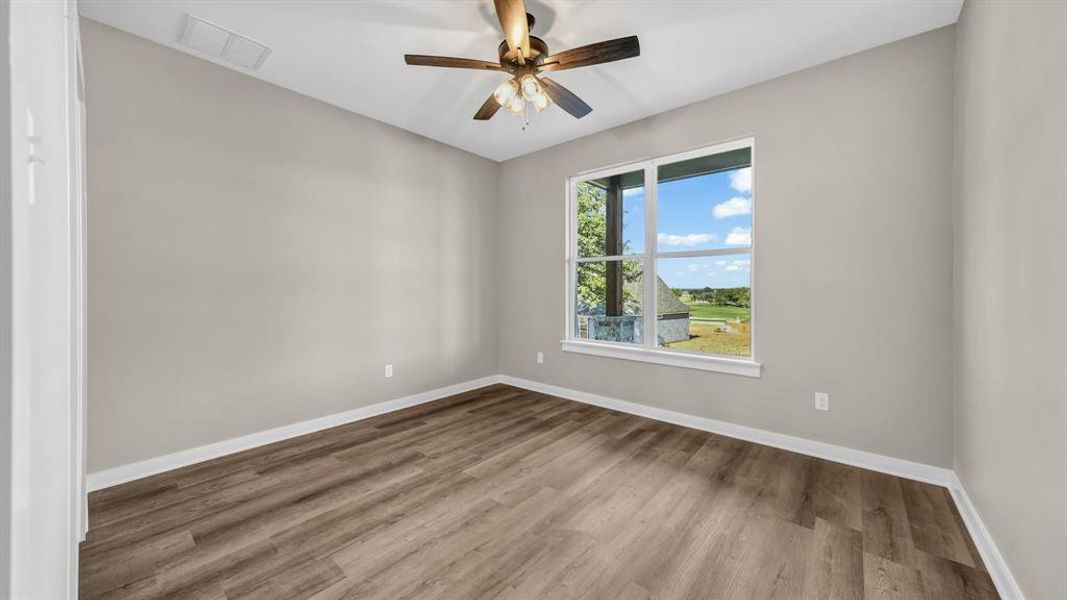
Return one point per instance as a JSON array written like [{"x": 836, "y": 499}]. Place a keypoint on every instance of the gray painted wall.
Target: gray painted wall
[
  {"x": 853, "y": 276},
  {"x": 256, "y": 257},
  {"x": 1010, "y": 213}
]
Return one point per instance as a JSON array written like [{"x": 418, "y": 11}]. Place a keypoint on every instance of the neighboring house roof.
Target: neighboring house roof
[{"x": 666, "y": 302}]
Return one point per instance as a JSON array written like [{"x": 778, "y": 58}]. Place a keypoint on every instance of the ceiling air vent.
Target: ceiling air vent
[{"x": 223, "y": 44}]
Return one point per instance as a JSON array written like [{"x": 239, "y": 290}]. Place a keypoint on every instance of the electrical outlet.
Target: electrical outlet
[
  {"x": 388, "y": 371},
  {"x": 822, "y": 401},
  {"x": 540, "y": 358}
]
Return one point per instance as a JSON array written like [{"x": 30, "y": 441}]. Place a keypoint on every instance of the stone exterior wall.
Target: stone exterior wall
[
  {"x": 672, "y": 330},
  {"x": 628, "y": 328}
]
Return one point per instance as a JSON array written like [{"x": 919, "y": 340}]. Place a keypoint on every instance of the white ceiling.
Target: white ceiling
[{"x": 350, "y": 54}]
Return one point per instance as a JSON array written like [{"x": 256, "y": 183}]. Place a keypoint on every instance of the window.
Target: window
[{"x": 660, "y": 261}]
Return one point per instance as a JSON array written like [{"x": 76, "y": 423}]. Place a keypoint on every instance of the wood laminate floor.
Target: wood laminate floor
[{"x": 506, "y": 493}]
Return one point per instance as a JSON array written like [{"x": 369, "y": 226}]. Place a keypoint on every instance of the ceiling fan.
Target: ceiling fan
[{"x": 524, "y": 56}]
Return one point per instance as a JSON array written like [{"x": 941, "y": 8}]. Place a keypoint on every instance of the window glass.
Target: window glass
[
  {"x": 611, "y": 215},
  {"x": 705, "y": 203},
  {"x": 698, "y": 272},
  {"x": 608, "y": 301},
  {"x": 704, "y": 304}
]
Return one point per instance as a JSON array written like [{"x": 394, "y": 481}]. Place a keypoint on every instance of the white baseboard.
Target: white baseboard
[
  {"x": 859, "y": 458},
  {"x": 114, "y": 476},
  {"x": 848, "y": 456},
  {"x": 1007, "y": 587}
]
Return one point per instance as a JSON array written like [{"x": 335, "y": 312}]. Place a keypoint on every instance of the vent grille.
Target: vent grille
[{"x": 223, "y": 44}]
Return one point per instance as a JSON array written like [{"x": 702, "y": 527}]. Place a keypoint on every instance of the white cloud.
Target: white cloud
[
  {"x": 720, "y": 262},
  {"x": 733, "y": 207},
  {"x": 741, "y": 179},
  {"x": 631, "y": 192},
  {"x": 739, "y": 265},
  {"x": 693, "y": 267},
  {"x": 692, "y": 239},
  {"x": 739, "y": 236}
]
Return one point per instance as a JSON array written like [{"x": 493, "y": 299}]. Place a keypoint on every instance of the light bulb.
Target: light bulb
[
  {"x": 540, "y": 102},
  {"x": 531, "y": 88},
  {"x": 516, "y": 105},
  {"x": 506, "y": 92}
]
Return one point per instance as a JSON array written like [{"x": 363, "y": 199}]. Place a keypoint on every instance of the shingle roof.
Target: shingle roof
[{"x": 666, "y": 302}]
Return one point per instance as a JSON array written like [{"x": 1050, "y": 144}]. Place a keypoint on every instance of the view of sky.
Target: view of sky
[{"x": 698, "y": 213}]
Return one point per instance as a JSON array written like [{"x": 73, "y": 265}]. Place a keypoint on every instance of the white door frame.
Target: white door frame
[
  {"x": 79, "y": 235},
  {"x": 6, "y": 298},
  {"x": 47, "y": 388}
]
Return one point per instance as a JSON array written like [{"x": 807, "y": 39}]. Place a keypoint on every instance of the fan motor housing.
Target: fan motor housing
[{"x": 538, "y": 52}]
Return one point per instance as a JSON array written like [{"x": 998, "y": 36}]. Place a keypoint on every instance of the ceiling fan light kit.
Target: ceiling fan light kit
[
  {"x": 514, "y": 93},
  {"x": 524, "y": 57}
]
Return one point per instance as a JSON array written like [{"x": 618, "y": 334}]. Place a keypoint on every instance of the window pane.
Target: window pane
[
  {"x": 611, "y": 215},
  {"x": 703, "y": 304},
  {"x": 705, "y": 202},
  {"x": 608, "y": 297}
]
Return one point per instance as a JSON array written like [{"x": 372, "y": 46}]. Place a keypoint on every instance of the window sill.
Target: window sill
[{"x": 733, "y": 366}]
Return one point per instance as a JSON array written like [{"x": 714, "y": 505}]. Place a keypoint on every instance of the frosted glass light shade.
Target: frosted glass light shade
[
  {"x": 506, "y": 92},
  {"x": 516, "y": 105},
  {"x": 540, "y": 101},
  {"x": 531, "y": 88}
]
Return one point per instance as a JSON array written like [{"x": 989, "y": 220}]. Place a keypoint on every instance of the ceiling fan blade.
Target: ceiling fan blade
[
  {"x": 565, "y": 98},
  {"x": 487, "y": 110},
  {"x": 448, "y": 61},
  {"x": 512, "y": 15},
  {"x": 593, "y": 54}
]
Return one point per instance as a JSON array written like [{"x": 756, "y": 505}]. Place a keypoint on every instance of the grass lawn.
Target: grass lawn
[
  {"x": 715, "y": 311},
  {"x": 708, "y": 336}
]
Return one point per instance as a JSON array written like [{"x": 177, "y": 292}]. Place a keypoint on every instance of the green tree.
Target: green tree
[
  {"x": 591, "y": 284},
  {"x": 739, "y": 296}
]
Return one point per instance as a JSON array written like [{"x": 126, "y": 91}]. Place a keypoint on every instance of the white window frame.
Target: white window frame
[{"x": 648, "y": 351}]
